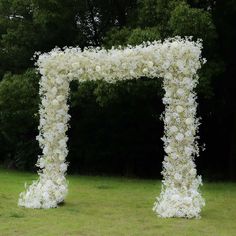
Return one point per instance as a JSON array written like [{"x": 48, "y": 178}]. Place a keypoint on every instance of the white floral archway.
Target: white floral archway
[{"x": 177, "y": 61}]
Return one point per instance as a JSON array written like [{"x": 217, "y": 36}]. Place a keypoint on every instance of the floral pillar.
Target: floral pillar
[
  {"x": 51, "y": 187},
  {"x": 179, "y": 195}
]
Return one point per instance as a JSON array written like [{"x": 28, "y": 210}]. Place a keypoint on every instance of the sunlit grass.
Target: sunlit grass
[{"x": 100, "y": 206}]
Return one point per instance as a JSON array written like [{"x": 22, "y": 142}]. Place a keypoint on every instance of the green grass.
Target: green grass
[{"x": 103, "y": 206}]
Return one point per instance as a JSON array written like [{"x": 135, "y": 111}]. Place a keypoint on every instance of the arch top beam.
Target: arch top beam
[
  {"x": 152, "y": 60},
  {"x": 176, "y": 60}
]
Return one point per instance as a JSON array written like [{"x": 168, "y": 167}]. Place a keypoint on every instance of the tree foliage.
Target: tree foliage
[
  {"x": 18, "y": 119},
  {"x": 27, "y": 26}
]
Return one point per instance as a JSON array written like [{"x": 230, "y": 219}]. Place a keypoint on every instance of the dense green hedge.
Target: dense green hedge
[
  {"x": 18, "y": 119},
  {"x": 116, "y": 129}
]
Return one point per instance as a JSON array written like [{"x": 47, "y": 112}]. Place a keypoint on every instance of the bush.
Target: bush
[{"x": 18, "y": 119}]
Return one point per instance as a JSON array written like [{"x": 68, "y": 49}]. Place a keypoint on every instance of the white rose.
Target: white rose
[
  {"x": 187, "y": 80},
  {"x": 168, "y": 93},
  {"x": 132, "y": 73},
  {"x": 60, "y": 98},
  {"x": 179, "y": 109},
  {"x": 54, "y": 90},
  {"x": 192, "y": 171},
  {"x": 61, "y": 157},
  {"x": 188, "y": 150},
  {"x": 177, "y": 176},
  {"x": 45, "y": 150},
  {"x": 188, "y": 133},
  {"x": 173, "y": 129},
  {"x": 191, "y": 101},
  {"x": 188, "y": 200},
  {"x": 175, "y": 197},
  {"x": 150, "y": 64},
  {"x": 62, "y": 142},
  {"x": 59, "y": 80},
  {"x": 179, "y": 137},
  {"x": 168, "y": 149},
  {"x": 63, "y": 167},
  {"x": 41, "y": 163},
  {"x": 45, "y": 196},
  {"x": 44, "y": 102},
  {"x": 98, "y": 68},
  {"x": 174, "y": 156},
  {"x": 145, "y": 70},
  {"x": 167, "y": 119},
  {"x": 60, "y": 127},
  {"x": 188, "y": 121}
]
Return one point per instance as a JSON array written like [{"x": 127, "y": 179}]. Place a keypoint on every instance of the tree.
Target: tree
[
  {"x": 18, "y": 119},
  {"x": 27, "y": 26}
]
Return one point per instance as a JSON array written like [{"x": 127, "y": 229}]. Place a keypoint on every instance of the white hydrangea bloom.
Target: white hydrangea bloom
[{"x": 177, "y": 61}]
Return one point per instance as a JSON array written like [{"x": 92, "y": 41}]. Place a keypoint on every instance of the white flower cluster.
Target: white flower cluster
[
  {"x": 177, "y": 61},
  {"x": 180, "y": 196}
]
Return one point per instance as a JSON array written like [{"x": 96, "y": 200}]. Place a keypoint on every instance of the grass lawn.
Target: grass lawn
[{"x": 104, "y": 206}]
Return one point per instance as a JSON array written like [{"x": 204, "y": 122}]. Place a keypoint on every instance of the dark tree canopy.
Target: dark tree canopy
[{"x": 116, "y": 128}]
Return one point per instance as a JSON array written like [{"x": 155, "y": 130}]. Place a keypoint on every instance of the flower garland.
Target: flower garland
[{"x": 177, "y": 61}]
